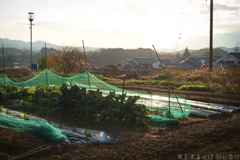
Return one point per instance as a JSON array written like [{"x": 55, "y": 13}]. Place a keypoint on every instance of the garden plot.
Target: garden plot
[
  {"x": 197, "y": 108},
  {"x": 74, "y": 135}
]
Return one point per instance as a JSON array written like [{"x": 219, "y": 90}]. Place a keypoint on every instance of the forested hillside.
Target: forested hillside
[
  {"x": 205, "y": 52},
  {"x": 11, "y": 50},
  {"x": 118, "y": 55}
]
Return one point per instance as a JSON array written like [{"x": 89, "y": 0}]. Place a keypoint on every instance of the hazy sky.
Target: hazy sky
[{"x": 116, "y": 23}]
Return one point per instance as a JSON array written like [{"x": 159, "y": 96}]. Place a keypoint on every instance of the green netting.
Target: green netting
[
  {"x": 153, "y": 102},
  {"x": 40, "y": 128},
  {"x": 161, "y": 121}
]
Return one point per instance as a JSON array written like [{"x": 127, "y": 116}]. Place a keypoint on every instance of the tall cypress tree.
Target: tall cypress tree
[{"x": 186, "y": 52}]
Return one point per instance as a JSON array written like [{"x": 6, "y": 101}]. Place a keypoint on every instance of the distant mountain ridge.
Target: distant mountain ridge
[
  {"x": 228, "y": 40},
  {"x": 36, "y": 46}
]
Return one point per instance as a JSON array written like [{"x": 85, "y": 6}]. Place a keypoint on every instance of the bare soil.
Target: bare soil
[
  {"x": 14, "y": 74},
  {"x": 195, "y": 137}
]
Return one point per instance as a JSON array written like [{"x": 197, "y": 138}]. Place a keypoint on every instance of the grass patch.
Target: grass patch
[
  {"x": 143, "y": 81},
  {"x": 196, "y": 88},
  {"x": 174, "y": 83},
  {"x": 107, "y": 79},
  {"x": 66, "y": 75},
  {"x": 230, "y": 90}
]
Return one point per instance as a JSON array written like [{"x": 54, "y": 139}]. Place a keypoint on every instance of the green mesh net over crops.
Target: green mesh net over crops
[
  {"x": 153, "y": 102},
  {"x": 40, "y": 128}
]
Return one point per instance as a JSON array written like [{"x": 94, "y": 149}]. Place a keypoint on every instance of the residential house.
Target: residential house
[
  {"x": 142, "y": 65},
  {"x": 228, "y": 60},
  {"x": 194, "y": 63},
  {"x": 167, "y": 64}
]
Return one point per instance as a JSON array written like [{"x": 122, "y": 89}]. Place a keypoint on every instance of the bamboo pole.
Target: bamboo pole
[
  {"x": 46, "y": 66},
  {"x": 3, "y": 63},
  {"x": 167, "y": 78},
  {"x": 86, "y": 65},
  {"x": 169, "y": 102}
]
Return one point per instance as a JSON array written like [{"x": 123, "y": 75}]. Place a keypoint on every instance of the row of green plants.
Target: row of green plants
[
  {"x": 164, "y": 82},
  {"x": 79, "y": 103},
  {"x": 20, "y": 114}
]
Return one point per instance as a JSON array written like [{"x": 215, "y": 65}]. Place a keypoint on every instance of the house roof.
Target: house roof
[
  {"x": 197, "y": 60},
  {"x": 183, "y": 65},
  {"x": 166, "y": 61},
  {"x": 93, "y": 66},
  {"x": 223, "y": 64},
  {"x": 180, "y": 59},
  {"x": 237, "y": 55},
  {"x": 217, "y": 57},
  {"x": 132, "y": 63},
  {"x": 144, "y": 60}
]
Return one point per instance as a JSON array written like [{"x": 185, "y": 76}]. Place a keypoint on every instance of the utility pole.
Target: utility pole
[{"x": 211, "y": 36}]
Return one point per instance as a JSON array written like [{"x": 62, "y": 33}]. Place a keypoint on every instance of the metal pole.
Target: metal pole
[
  {"x": 31, "y": 43},
  {"x": 3, "y": 63},
  {"x": 86, "y": 65},
  {"x": 211, "y": 36}
]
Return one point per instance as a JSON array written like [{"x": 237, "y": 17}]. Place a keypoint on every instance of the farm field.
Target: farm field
[{"x": 195, "y": 136}]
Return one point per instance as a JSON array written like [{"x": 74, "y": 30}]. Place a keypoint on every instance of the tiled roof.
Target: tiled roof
[
  {"x": 166, "y": 61},
  {"x": 179, "y": 60},
  {"x": 183, "y": 65},
  {"x": 235, "y": 55},
  {"x": 144, "y": 60},
  {"x": 222, "y": 64},
  {"x": 198, "y": 60},
  {"x": 132, "y": 63}
]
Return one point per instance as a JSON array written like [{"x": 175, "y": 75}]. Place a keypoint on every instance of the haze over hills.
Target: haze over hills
[
  {"x": 225, "y": 41},
  {"x": 36, "y": 46}
]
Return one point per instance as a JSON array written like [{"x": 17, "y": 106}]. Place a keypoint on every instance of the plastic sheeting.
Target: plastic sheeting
[{"x": 78, "y": 136}]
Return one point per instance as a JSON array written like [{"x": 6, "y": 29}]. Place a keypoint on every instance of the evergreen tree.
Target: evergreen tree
[{"x": 186, "y": 52}]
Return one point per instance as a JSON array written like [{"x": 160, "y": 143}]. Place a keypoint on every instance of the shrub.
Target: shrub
[
  {"x": 230, "y": 90},
  {"x": 31, "y": 91},
  {"x": 42, "y": 62},
  {"x": 67, "y": 60}
]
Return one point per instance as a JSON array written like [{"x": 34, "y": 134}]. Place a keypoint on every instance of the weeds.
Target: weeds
[
  {"x": 87, "y": 134},
  {"x": 25, "y": 116},
  {"x": 8, "y": 111},
  {"x": 73, "y": 129},
  {"x": 60, "y": 126},
  {"x": 36, "y": 119}
]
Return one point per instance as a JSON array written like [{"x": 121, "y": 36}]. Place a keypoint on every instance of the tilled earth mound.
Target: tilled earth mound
[{"x": 207, "y": 138}]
